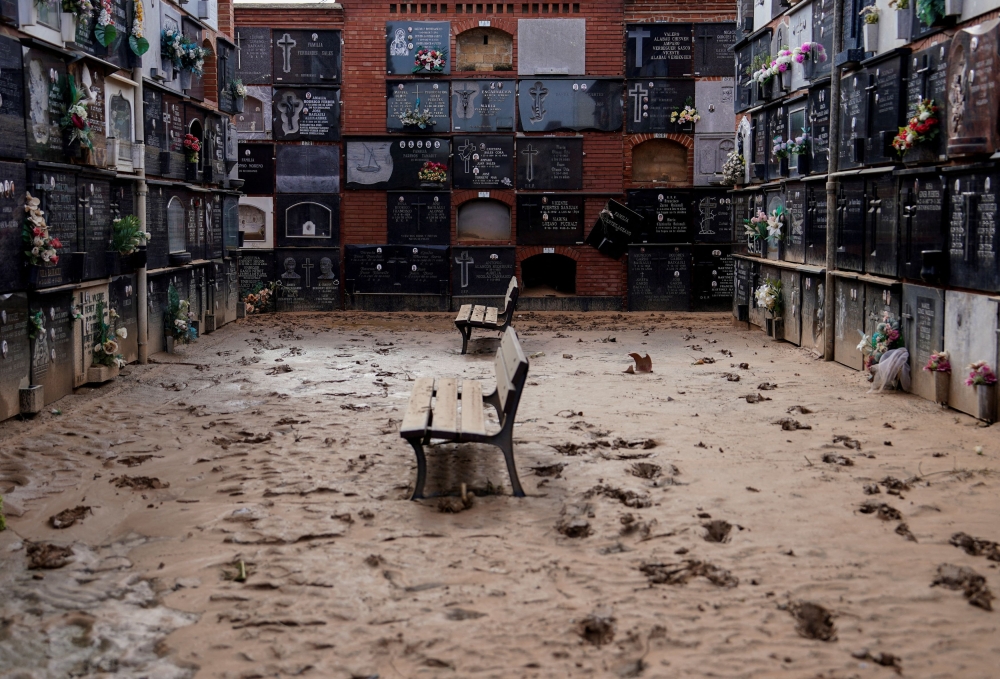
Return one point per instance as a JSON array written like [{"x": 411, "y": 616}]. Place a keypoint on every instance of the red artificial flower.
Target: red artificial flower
[
  {"x": 55, "y": 243},
  {"x": 78, "y": 122},
  {"x": 932, "y": 121},
  {"x": 36, "y": 231},
  {"x": 54, "y": 259}
]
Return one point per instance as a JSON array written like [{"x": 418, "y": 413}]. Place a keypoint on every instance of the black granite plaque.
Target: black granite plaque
[
  {"x": 15, "y": 350},
  {"x": 404, "y": 39},
  {"x": 668, "y": 215},
  {"x": 118, "y": 52},
  {"x": 851, "y": 207},
  {"x": 815, "y": 223},
  {"x": 253, "y": 55},
  {"x": 123, "y": 297},
  {"x": 483, "y": 162},
  {"x": 853, "y": 119},
  {"x": 174, "y": 130},
  {"x": 547, "y": 219},
  {"x": 482, "y": 271},
  {"x": 777, "y": 127},
  {"x": 94, "y": 224},
  {"x": 760, "y": 49},
  {"x": 744, "y": 89},
  {"x": 213, "y": 237},
  {"x": 819, "y": 127},
  {"x": 307, "y": 220},
  {"x": 973, "y": 238},
  {"x": 659, "y": 50},
  {"x": 548, "y": 105},
  {"x": 153, "y": 129},
  {"x": 214, "y": 151},
  {"x": 257, "y": 268},
  {"x": 419, "y": 218},
  {"x": 310, "y": 279},
  {"x": 400, "y": 269},
  {"x": 483, "y": 105},
  {"x": 928, "y": 73},
  {"x": 882, "y": 231},
  {"x": 306, "y": 57},
  {"x": 230, "y": 223},
  {"x": 712, "y": 212},
  {"x": 761, "y": 145},
  {"x": 57, "y": 192},
  {"x": 851, "y": 25},
  {"x": 196, "y": 226},
  {"x": 822, "y": 32},
  {"x": 795, "y": 222},
  {"x": 43, "y": 77},
  {"x": 713, "y": 283},
  {"x": 616, "y": 227},
  {"x": 225, "y": 55},
  {"x": 550, "y": 163},
  {"x": 659, "y": 278},
  {"x": 886, "y": 107},
  {"x": 12, "y": 139},
  {"x": 922, "y": 216},
  {"x": 156, "y": 224},
  {"x": 12, "y": 217},
  {"x": 649, "y": 103},
  {"x": 306, "y": 114},
  {"x": 52, "y": 360},
  {"x": 307, "y": 169},
  {"x": 713, "y": 49},
  {"x": 918, "y": 29},
  {"x": 256, "y": 169},
  {"x": 408, "y": 163},
  {"x": 405, "y": 97}
]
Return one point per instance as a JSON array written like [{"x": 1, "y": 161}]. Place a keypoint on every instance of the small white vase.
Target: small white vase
[
  {"x": 904, "y": 24},
  {"x": 952, "y": 8},
  {"x": 871, "y": 37},
  {"x": 68, "y": 27}
]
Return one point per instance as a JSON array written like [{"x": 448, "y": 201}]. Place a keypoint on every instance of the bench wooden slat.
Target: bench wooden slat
[
  {"x": 464, "y": 313},
  {"x": 491, "y": 316},
  {"x": 473, "y": 419},
  {"x": 418, "y": 409},
  {"x": 478, "y": 314},
  {"x": 503, "y": 381},
  {"x": 445, "y": 407}
]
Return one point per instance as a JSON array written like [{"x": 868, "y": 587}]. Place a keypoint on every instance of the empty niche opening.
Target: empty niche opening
[
  {"x": 484, "y": 219},
  {"x": 548, "y": 275},
  {"x": 485, "y": 49},
  {"x": 660, "y": 160},
  {"x": 176, "y": 226}
]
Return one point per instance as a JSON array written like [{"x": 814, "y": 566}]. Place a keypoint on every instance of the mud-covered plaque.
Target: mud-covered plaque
[
  {"x": 419, "y": 218},
  {"x": 668, "y": 215},
  {"x": 253, "y": 55},
  {"x": 547, "y": 219},
  {"x": 307, "y": 169},
  {"x": 308, "y": 220},
  {"x": 306, "y": 114},
  {"x": 400, "y": 269},
  {"x": 256, "y": 269},
  {"x": 399, "y": 163},
  {"x": 548, "y": 105},
  {"x": 12, "y": 189},
  {"x": 309, "y": 277},
  {"x": 483, "y": 162},
  {"x": 12, "y": 139},
  {"x": 483, "y": 105},
  {"x": 616, "y": 227},
  {"x": 659, "y": 278},
  {"x": 713, "y": 49},
  {"x": 306, "y": 57},
  {"x": 659, "y": 50},
  {"x": 52, "y": 359},
  {"x": 15, "y": 352},
  {"x": 649, "y": 103},
  {"x": 550, "y": 163},
  {"x": 412, "y": 103},
  {"x": 43, "y": 75},
  {"x": 57, "y": 191},
  {"x": 256, "y": 169},
  {"x": 410, "y": 47},
  {"x": 482, "y": 271}
]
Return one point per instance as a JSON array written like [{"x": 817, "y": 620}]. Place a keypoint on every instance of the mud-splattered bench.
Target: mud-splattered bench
[
  {"x": 433, "y": 411},
  {"x": 487, "y": 317}
]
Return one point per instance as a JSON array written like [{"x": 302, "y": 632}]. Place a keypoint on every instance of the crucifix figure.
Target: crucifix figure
[
  {"x": 465, "y": 98},
  {"x": 286, "y": 44},
  {"x": 538, "y": 93},
  {"x": 463, "y": 262},
  {"x": 308, "y": 266},
  {"x": 639, "y": 34},
  {"x": 465, "y": 152},
  {"x": 531, "y": 152},
  {"x": 638, "y": 92},
  {"x": 706, "y": 208}
]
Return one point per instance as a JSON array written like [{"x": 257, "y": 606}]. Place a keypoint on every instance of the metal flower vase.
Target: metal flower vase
[
  {"x": 942, "y": 382},
  {"x": 987, "y": 402}
]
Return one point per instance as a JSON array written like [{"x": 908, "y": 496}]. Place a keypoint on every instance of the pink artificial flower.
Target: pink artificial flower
[
  {"x": 783, "y": 67},
  {"x": 800, "y": 58},
  {"x": 805, "y": 47},
  {"x": 55, "y": 243}
]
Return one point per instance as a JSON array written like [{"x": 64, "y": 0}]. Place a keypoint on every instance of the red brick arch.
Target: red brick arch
[
  {"x": 524, "y": 253},
  {"x": 460, "y": 197},
  {"x": 506, "y": 25}
]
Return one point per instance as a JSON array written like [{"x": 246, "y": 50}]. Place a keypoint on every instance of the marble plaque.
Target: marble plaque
[
  {"x": 713, "y": 217},
  {"x": 308, "y": 220},
  {"x": 306, "y": 57},
  {"x": 308, "y": 169},
  {"x": 551, "y": 46},
  {"x": 404, "y": 39},
  {"x": 710, "y": 153},
  {"x": 483, "y": 162},
  {"x": 419, "y": 218},
  {"x": 714, "y": 101},
  {"x": 549, "y": 105},
  {"x": 923, "y": 333},
  {"x": 255, "y": 269},
  {"x": 664, "y": 50},
  {"x": 659, "y": 278},
  {"x": 482, "y": 271},
  {"x": 403, "y": 97},
  {"x": 310, "y": 279},
  {"x": 546, "y": 219},
  {"x": 255, "y": 121},
  {"x": 306, "y": 114},
  {"x": 399, "y": 163},
  {"x": 550, "y": 163},
  {"x": 483, "y": 105},
  {"x": 649, "y": 103},
  {"x": 253, "y": 55}
]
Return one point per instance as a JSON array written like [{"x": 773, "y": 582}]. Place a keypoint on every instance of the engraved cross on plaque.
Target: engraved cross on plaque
[
  {"x": 308, "y": 266},
  {"x": 465, "y": 100},
  {"x": 637, "y": 93},
  {"x": 463, "y": 262},
  {"x": 640, "y": 34},
  {"x": 704, "y": 52},
  {"x": 286, "y": 44},
  {"x": 531, "y": 152},
  {"x": 465, "y": 152},
  {"x": 538, "y": 93}
]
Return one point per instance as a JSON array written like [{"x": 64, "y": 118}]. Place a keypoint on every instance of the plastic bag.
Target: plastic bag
[{"x": 892, "y": 368}]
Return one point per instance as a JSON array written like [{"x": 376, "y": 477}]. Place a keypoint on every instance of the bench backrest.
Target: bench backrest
[
  {"x": 510, "y": 300},
  {"x": 511, "y": 371}
]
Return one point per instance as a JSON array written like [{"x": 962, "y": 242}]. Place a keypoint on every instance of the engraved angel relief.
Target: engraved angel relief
[{"x": 956, "y": 98}]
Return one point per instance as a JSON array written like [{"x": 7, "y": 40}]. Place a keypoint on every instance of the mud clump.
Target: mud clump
[
  {"x": 881, "y": 510},
  {"x": 813, "y": 621},
  {"x": 972, "y": 584},
  {"x": 791, "y": 424},
  {"x": 454, "y": 505},
  {"x": 831, "y": 458},
  {"x": 717, "y": 530},
  {"x": 46, "y": 555},
  {"x": 553, "y": 470},
  {"x": 632, "y": 525},
  {"x": 904, "y": 530},
  {"x": 574, "y": 528},
  {"x": 645, "y": 470},
  {"x": 629, "y": 498},
  {"x": 134, "y": 460},
  {"x": 976, "y": 546},
  {"x": 681, "y": 573},
  {"x": 139, "y": 482},
  {"x": 848, "y": 442},
  {"x": 68, "y": 517},
  {"x": 596, "y": 629}
]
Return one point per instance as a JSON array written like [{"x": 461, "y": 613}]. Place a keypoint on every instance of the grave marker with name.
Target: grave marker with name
[
  {"x": 882, "y": 230},
  {"x": 617, "y": 226},
  {"x": 851, "y": 208},
  {"x": 12, "y": 140},
  {"x": 310, "y": 279},
  {"x": 713, "y": 216},
  {"x": 973, "y": 241},
  {"x": 483, "y": 162},
  {"x": 922, "y": 213},
  {"x": 253, "y": 55},
  {"x": 307, "y": 169},
  {"x": 123, "y": 297},
  {"x": 713, "y": 281},
  {"x": 483, "y": 105},
  {"x": 419, "y": 218},
  {"x": 815, "y": 223},
  {"x": 225, "y": 75},
  {"x": 549, "y": 105},
  {"x": 400, "y": 163},
  {"x": 308, "y": 220},
  {"x": 744, "y": 89},
  {"x": 306, "y": 57},
  {"x": 57, "y": 192},
  {"x": 256, "y": 168},
  {"x": 402, "y": 97},
  {"x": 928, "y": 80},
  {"x": 154, "y": 129},
  {"x": 886, "y": 106},
  {"x": 713, "y": 49},
  {"x": 822, "y": 32},
  {"x": 12, "y": 216},
  {"x": 255, "y": 269},
  {"x": 94, "y": 224},
  {"x": 550, "y": 163},
  {"x": 404, "y": 39},
  {"x": 396, "y": 269},
  {"x": 548, "y": 219},
  {"x": 667, "y": 215},
  {"x": 15, "y": 351},
  {"x": 157, "y": 255},
  {"x": 853, "y": 119},
  {"x": 659, "y": 278},
  {"x": 973, "y": 71},
  {"x": 306, "y": 114},
  {"x": 43, "y": 76},
  {"x": 482, "y": 271},
  {"x": 52, "y": 360},
  {"x": 819, "y": 128},
  {"x": 795, "y": 222},
  {"x": 659, "y": 50},
  {"x": 649, "y": 103}
]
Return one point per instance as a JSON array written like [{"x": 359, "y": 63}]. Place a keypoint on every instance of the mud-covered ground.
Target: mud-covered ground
[{"x": 238, "y": 509}]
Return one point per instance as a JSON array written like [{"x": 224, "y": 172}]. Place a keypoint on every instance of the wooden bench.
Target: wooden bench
[
  {"x": 433, "y": 410},
  {"x": 488, "y": 317}
]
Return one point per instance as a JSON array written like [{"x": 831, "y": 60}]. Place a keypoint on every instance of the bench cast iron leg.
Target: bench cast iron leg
[
  {"x": 505, "y": 441},
  {"x": 466, "y": 336},
  {"x": 418, "y": 448}
]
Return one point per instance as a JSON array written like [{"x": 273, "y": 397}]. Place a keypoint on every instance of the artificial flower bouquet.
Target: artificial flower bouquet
[
  {"x": 428, "y": 59},
  {"x": 734, "y": 169},
  {"x": 191, "y": 148},
  {"x": 127, "y": 235},
  {"x": 768, "y": 296},
  {"x": 106, "y": 336},
  {"x": 261, "y": 299},
  {"x": 886, "y": 337},
  {"x": 41, "y": 247},
  {"x": 939, "y": 362},
  {"x": 923, "y": 126},
  {"x": 433, "y": 172},
  {"x": 980, "y": 373}
]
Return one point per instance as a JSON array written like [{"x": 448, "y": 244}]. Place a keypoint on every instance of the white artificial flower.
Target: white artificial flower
[{"x": 122, "y": 332}]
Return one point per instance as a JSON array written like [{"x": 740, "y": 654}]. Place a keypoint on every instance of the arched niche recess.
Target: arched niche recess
[
  {"x": 660, "y": 160},
  {"x": 484, "y": 219},
  {"x": 484, "y": 49},
  {"x": 548, "y": 275}
]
